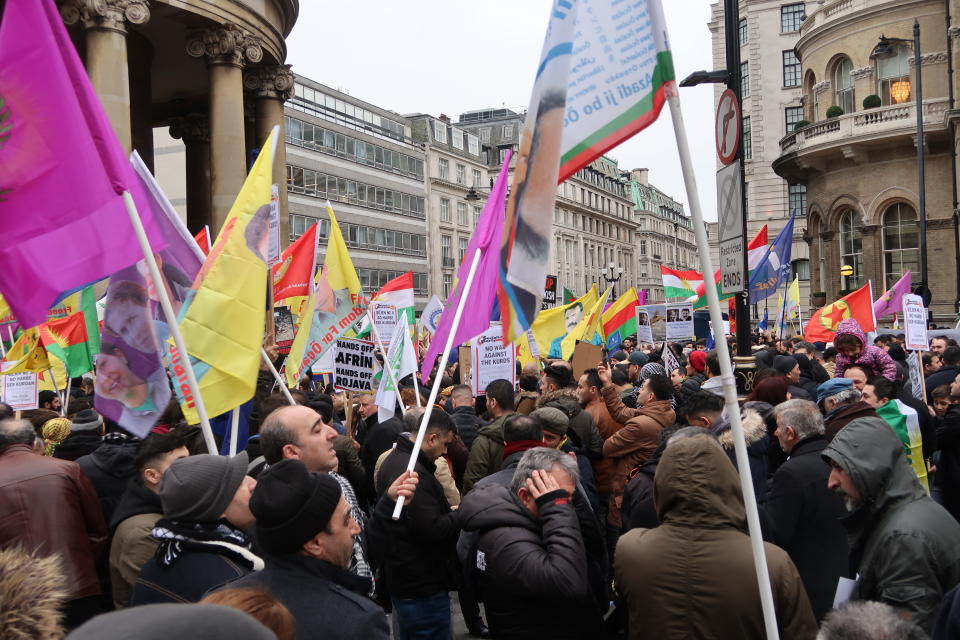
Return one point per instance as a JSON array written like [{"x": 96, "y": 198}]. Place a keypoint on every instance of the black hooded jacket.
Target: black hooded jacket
[{"x": 110, "y": 468}]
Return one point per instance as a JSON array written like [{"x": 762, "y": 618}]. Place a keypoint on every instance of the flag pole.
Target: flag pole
[
  {"x": 66, "y": 396},
  {"x": 386, "y": 363},
  {"x": 726, "y": 371},
  {"x": 234, "y": 428},
  {"x": 171, "y": 317},
  {"x": 438, "y": 379},
  {"x": 276, "y": 376}
]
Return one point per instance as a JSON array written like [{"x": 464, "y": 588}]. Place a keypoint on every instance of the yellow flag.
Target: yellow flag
[
  {"x": 222, "y": 320},
  {"x": 55, "y": 378},
  {"x": 26, "y": 354},
  {"x": 551, "y": 325},
  {"x": 590, "y": 328},
  {"x": 335, "y": 304}
]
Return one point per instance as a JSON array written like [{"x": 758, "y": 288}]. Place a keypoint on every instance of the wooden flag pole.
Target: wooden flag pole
[
  {"x": 726, "y": 370},
  {"x": 171, "y": 318},
  {"x": 437, "y": 380}
]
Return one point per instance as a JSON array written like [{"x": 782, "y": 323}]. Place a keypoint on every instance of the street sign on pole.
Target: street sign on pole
[
  {"x": 731, "y": 232},
  {"x": 727, "y": 127}
]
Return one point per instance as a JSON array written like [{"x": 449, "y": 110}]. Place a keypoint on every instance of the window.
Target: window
[
  {"x": 447, "y": 284},
  {"x": 791, "y": 69},
  {"x": 801, "y": 269},
  {"x": 439, "y": 132},
  {"x": 506, "y": 132},
  {"x": 791, "y": 17},
  {"x": 742, "y": 30},
  {"x": 443, "y": 168},
  {"x": 643, "y": 247},
  {"x": 792, "y": 115},
  {"x": 851, "y": 248},
  {"x": 503, "y": 154},
  {"x": 893, "y": 74},
  {"x": 461, "y": 174},
  {"x": 797, "y": 199},
  {"x": 900, "y": 242},
  {"x": 473, "y": 145},
  {"x": 462, "y": 213},
  {"x": 463, "y": 248},
  {"x": 476, "y": 216},
  {"x": 747, "y": 140},
  {"x": 444, "y": 210},
  {"x": 484, "y": 134},
  {"x": 744, "y": 79},
  {"x": 445, "y": 251},
  {"x": 456, "y": 138},
  {"x": 321, "y": 185},
  {"x": 843, "y": 95}
]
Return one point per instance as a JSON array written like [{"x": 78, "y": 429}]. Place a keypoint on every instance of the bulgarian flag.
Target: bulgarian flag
[
  {"x": 680, "y": 284},
  {"x": 67, "y": 339},
  {"x": 857, "y": 305},
  {"x": 620, "y": 318}
]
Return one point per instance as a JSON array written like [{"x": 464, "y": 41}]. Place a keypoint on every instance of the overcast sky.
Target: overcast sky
[{"x": 451, "y": 56}]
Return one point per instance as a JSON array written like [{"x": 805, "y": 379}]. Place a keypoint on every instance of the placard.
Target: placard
[
  {"x": 273, "y": 243},
  {"x": 680, "y": 322},
  {"x": 492, "y": 360},
  {"x": 651, "y": 323},
  {"x": 585, "y": 356},
  {"x": 385, "y": 318},
  {"x": 549, "y": 293},
  {"x": 283, "y": 329},
  {"x": 354, "y": 365},
  {"x": 21, "y": 391},
  {"x": 915, "y": 323},
  {"x": 465, "y": 362}
]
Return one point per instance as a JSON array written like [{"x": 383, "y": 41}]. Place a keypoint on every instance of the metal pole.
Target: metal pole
[{"x": 921, "y": 182}]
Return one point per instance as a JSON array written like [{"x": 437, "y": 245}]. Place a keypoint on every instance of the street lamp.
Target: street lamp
[
  {"x": 472, "y": 195},
  {"x": 886, "y": 47},
  {"x": 611, "y": 279}
]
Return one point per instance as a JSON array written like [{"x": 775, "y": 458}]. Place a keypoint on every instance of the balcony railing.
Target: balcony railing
[
  {"x": 830, "y": 11},
  {"x": 893, "y": 119}
]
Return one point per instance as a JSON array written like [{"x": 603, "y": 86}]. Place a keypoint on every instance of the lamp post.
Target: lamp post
[
  {"x": 884, "y": 49},
  {"x": 611, "y": 279}
]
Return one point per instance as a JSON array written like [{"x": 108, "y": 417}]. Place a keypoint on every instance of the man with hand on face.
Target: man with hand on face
[{"x": 904, "y": 543}]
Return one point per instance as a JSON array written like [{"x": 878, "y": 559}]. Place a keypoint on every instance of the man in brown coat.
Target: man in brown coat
[
  {"x": 588, "y": 392},
  {"x": 693, "y": 576},
  {"x": 639, "y": 434},
  {"x": 48, "y": 506}
]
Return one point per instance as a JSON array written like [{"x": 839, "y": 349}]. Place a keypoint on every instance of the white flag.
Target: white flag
[
  {"x": 401, "y": 359},
  {"x": 430, "y": 317}
]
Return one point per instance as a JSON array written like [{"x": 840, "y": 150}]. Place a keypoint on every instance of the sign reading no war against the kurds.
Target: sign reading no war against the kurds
[
  {"x": 492, "y": 360},
  {"x": 354, "y": 365}
]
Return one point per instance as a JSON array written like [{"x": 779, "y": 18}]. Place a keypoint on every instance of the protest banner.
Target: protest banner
[
  {"x": 283, "y": 321},
  {"x": 492, "y": 360},
  {"x": 384, "y": 317},
  {"x": 549, "y": 293},
  {"x": 915, "y": 323},
  {"x": 353, "y": 365},
  {"x": 651, "y": 323},
  {"x": 20, "y": 390},
  {"x": 465, "y": 360},
  {"x": 679, "y": 324}
]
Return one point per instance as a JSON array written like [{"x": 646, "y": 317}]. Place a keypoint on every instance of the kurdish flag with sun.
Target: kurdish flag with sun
[{"x": 67, "y": 339}]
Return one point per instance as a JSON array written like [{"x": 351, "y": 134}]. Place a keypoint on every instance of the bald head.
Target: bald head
[
  {"x": 298, "y": 433},
  {"x": 14, "y": 431}
]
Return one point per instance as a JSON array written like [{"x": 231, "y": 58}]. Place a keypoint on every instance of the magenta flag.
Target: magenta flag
[
  {"x": 642, "y": 297},
  {"x": 62, "y": 169},
  {"x": 483, "y": 293},
  {"x": 892, "y": 300}
]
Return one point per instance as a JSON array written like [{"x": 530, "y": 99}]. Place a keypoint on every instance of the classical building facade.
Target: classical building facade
[
  {"x": 364, "y": 161},
  {"x": 455, "y": 183},
  {"x": 211, "y": 70},
  {"x": 664, "y": 234},
  {"x": 772, "y": 104},
  {"x": 858, "y": 154}
]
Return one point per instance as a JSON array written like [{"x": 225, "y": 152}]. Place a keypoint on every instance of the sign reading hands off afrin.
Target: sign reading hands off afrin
[{"x": 354, "y": 365}]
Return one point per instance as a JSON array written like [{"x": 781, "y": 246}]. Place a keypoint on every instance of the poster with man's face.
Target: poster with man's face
[
  {"x": 651, "y": 323},
  {"x": 679, "y": 325}
]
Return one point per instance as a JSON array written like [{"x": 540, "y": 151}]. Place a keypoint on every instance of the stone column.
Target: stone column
[
  {"x": 194, "y": 130},
  {"x": 226, "y": 49},
  {"x": 106, "y": 42},
  {"x": 873, "y": 257},
  {"x": 141, "y": 96},
  {"x": 831, "y": 263},
  {"x": 272, "y": 86}
]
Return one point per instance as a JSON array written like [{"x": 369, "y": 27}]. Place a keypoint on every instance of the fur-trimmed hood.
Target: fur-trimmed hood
[
  {"x": 32, "y": 591},
  {"x": 754, "y": 429},
  {"x": 564, "y": 399}
]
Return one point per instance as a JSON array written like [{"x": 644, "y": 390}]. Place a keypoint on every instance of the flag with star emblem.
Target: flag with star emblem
[{"x": 857, "y": 305}]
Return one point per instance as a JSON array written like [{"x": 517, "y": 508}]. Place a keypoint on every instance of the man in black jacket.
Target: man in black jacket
[
  {"x": 307, "y": 532},
  {"x": 946, "y": 373},
  {"x": 417, "y": 553},
  {"x": 804, "y": 513},
  {"x": 464, "y": 415},
  {"x": 529, "y": 563},
  {"x": 377, "y": 438}
]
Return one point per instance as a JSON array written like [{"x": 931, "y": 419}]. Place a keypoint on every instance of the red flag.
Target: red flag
[
  {"x": 203, "y": 240},
  {"x": 857, "y": 305},
  {"x": 293, "y": 274}
]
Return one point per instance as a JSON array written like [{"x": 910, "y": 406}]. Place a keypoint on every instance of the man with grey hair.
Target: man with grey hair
[
  {"x": 841, "y": 403},
  {"x": 804, "y": 514},
  {"x": 868, "y": 619},
  {"x": 529, "y": 565}
]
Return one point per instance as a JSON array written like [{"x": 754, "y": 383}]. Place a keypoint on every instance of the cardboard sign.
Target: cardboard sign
[
  {"x": 21, "y": 391},
  {"x": 385, "y": 319},
  {"x": 492, "y": 360},
  {"x": 354, "y": 365},
  {"x": 585, "y": 356},
  {"x": 466, "y": 364},
  {"x": 680, "y": 322},
  {"x": 915, "y": 323}
]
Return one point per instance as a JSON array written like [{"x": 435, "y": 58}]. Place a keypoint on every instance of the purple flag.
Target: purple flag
[
  {"x": 483, "y": 293},
  {"x": 62, "y": 169},
  {"x": 892, "y": 300},
  {"x": 642, "y": 297}
]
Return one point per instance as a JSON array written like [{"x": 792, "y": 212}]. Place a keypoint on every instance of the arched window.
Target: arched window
[
  {"x": 851, "y": 248},
  {"x": 901, "y": 237},
  {"x": 893, "y": 76},
  {"x": 809, "y": 97},
  {"x": 843, "y": 95}
]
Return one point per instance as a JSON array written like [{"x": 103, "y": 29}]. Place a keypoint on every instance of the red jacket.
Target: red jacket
[{"x": 49, "y": 505}]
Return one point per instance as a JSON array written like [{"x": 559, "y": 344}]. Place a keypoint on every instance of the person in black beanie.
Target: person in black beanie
[{"x": 306, "y": 531}]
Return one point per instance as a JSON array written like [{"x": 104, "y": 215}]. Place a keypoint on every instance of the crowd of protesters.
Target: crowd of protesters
[{"x": 602, "y": 503}]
